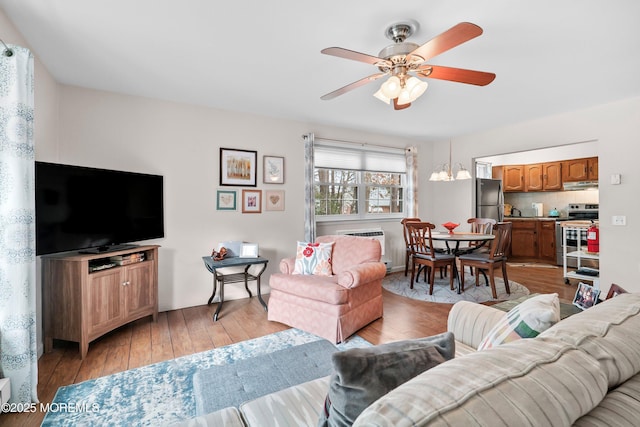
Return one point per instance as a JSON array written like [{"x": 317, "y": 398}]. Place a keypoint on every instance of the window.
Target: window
[{"x": 349, "y": 185}]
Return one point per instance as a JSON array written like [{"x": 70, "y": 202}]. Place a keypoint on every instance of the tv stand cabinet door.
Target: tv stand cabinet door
[
  {"x": 140, "y": 290},
  {"x": 106, "y": 310}
]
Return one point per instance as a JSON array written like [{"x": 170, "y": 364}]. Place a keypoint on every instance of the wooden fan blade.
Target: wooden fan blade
[
  {"x": 351, "y": 86},
  {"x": 451, "y": 38},
  {"x": 460, "y": 75},
  {"x": 397, "y": 106},
  {"x": 353, "y": 55}
]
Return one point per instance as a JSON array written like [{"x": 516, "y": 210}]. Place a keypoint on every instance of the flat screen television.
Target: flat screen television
[{"x": 95, "y": 210}]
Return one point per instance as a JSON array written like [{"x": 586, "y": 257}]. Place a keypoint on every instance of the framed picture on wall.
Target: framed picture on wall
[
  {"x": 251, "y": 201},
  {"x": 274, "y": 200},
  {"x": 273, "y": 170},
  {"x": 226, "y": 200},
  {"x": 238, "y": 167}
]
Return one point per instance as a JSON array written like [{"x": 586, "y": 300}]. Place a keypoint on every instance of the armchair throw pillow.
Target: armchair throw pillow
[
  {"x": 313, "y": 258},
  {"x": 363, "y": 375},
  {"x": 526, "y": 320}
]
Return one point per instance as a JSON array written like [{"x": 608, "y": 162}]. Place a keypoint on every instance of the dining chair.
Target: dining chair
[
  {"x": 489, "y": 261},
  {"x": 482, "y": 226},
  {"x": 407, "y": 243},
  {"x": 424, "y": 254}
]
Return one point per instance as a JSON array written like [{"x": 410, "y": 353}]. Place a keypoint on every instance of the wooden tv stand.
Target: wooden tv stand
[{"x": 87, "y": 295}]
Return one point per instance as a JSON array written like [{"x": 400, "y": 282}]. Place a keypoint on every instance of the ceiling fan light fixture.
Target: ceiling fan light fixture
[
  {"x": 404, "y": 97},
  {"x": 391, "y": 88},
  {"x": 381, "y": 97},
  {"x": 416, "y": 87}
]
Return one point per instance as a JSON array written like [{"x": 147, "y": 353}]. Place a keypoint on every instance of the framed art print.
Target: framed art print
[
  {"x": 226, "y": 200},
  {"x": 273, "y": 170},
  {"x": 274, "y": 200},
  {"x": 251, "y": 201},
  {"x": 238, "y": 167}
]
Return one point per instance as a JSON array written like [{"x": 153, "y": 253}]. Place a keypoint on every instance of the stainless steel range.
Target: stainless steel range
[{"x": 581, "y": 214}]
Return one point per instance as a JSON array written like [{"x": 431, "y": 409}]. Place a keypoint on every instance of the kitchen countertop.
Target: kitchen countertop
[{"x": 540, "y": 218}]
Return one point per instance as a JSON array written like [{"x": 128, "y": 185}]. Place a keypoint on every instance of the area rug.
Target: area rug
[
  {"x": 161, "y": 393},
  {"x": 232, "y": 384},
  {"x": 397, "y": 283}
]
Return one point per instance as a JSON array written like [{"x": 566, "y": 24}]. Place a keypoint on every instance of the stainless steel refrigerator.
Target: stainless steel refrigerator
[{"x": 489, "y": 199}]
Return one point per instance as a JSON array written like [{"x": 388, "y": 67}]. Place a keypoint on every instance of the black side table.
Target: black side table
[{"x": 245, "y": 276}]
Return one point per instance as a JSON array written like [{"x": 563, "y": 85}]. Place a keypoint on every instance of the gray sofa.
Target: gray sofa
[{"x": 583, "y": 371}]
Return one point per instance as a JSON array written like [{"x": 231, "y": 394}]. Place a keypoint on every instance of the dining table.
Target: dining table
[
  {"x": 450, "y": 238},
  {"x": 459, "y": 237}
]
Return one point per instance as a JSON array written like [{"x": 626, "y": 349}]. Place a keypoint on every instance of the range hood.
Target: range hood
[{"x": 580, "y": 185}]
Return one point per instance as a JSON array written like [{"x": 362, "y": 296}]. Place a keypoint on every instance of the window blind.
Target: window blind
[{"x": 365, "y": 158}]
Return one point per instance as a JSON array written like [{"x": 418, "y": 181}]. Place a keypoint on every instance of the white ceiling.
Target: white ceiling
[{"x": 264, "y": 57}]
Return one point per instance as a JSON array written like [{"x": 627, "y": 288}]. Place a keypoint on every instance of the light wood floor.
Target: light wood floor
[{"x": 191, "y": 330}]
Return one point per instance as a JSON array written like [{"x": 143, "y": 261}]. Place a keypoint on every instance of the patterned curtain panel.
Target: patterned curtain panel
[
  {"x": 309, "y": 196},
  {"x": 18, "y": 350},
  {"x": 411, "y": 154}
]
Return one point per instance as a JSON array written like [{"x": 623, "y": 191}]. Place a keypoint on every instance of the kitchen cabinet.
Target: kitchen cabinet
[
  {"x": 513, "y": 178},
  {"x": 547, "y": 241},
  {"x": 533, "y": 177},
  {"x": 543, "y": 176},
  {"x": 534, "y": 240},
  {"x": 524, "y": 239},
  {"x": 552, "y": 176},
  {"x": 592, "y": 166},
  {"x": 87, "y": 295},
  {"x": 575, "y": 170}
]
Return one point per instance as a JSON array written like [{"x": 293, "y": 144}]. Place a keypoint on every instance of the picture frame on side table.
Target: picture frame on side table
[
  {"x": 249, "y": 250},
  {"x": 274, "y": 200},
  {"x": 586, "y": 296},
  {"x": 238, "y": 167},
  {"x": 251, "y": 201},
  {"x": 273, "y": 170},
  {"x": 226, "y": 200},
  {"x": 615, "y": 290}
]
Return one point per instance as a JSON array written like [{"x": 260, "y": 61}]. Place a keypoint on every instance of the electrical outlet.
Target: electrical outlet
[{"x": 619, "y": 220}]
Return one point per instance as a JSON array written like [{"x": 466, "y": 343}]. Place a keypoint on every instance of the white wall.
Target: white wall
[
  {"x": 616, "y": 127},
  {"x": 182, "y": 143}
]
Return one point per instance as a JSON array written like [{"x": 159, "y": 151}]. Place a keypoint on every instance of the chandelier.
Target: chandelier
[{"x": 445, "y": 172}]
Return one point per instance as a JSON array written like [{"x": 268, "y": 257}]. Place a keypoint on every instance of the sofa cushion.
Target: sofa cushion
[
  {"x": 313, "y": 258},
  {"x": 526, "y": 320},
  {"x": 362, "y": 375},
  {"x": 619, "y": 408},
  {"x": 548, "y": 381},
  {"x": 313, "y": 288},
  {"x": 608, "y": 332}
]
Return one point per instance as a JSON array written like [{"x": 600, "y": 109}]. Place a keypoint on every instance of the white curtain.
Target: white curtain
[
  {"x": 411, "y": 155},
  {"x": 309, "y": 196},
  {"x": 18, "y": 349}
]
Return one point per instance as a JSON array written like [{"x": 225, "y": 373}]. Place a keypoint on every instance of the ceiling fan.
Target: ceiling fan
[{"x": 403, "y": 60}]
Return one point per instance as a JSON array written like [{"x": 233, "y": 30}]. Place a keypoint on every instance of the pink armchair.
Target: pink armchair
[{"x": 333, "y": 307}]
